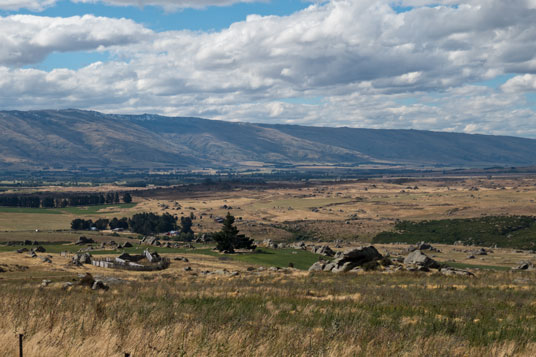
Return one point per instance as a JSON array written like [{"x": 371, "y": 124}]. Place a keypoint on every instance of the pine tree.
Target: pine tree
[{"x": 228, "y": 238}]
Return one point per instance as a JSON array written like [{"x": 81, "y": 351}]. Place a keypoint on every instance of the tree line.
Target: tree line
[
  {"x": 141, "y": 223},
  {"x": 34, "y": 201}
]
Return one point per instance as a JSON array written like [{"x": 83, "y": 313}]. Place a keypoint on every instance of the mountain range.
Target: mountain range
[{"x": 76, "y": 138}]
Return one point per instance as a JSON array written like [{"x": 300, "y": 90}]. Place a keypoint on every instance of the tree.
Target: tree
[
  {"x": 186, "y": 225},
  {"x": 81, "y": 224},
  {"x": 101, "y": 224},
  {"x": 228, "y": 238},
  {"x": 127, "y": 198},
  {"x": 48, "y": 202}
]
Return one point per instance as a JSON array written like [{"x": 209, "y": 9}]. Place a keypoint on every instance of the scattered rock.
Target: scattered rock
[
  {"x": 471, "y": 257},
  {"x": 22, "y": 250},
  {"x": 454, "y": 271},
  {"x": 86, "y": 280},
  {"x": 66, "y": 285},
  {"x": 187, "y": 268},
  {"x": 183, "y": 259},
  {"x": 46, "y": 260},
  {"x": 127, "y": 245},
  {"x": 524, "y": 265},
  {"x": 420, "y": 259},
  {"x": 39, "y": 249},
  {"x": 324, "y": 250},
  {"x": 45, "y": 283},
  {"x": 99, "y": 285},
  {"x": 480, "y": 251}
]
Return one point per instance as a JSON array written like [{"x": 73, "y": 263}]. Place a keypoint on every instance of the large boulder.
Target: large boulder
[
  {"x": 348, "y": 260},
  {"x": 420, "y": 259}
]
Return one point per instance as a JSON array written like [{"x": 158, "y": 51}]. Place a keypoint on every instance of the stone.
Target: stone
[
  {"x": 46, "y": 260},
  {"x": 45, "y": 282},
  {"x": 127, "y": 245},
  {"x": 151, "y": 257},
  {"x": 84, "y": 240},
  {"x": 86, "y": 280},
  {"x": 99, "y": 285},
  {"x": 187, "y": 268},
  {"x": 268, "y": 243},
  {"x": 524, "y": 265},
  {"x": 453, "y": 271},
  {"x": 299, "y": 245},
  {"x": 324, "y": 250},
  {"x": 66, "y": 285},
  {"x": 22, "y": 250},
  {"x": 349, "y": 259},
  {"x": 480, "y": 251},
  {"x": 39, "y": 249},
  {"x": 420, "y": 259},
  {"x": 81, "y": 258},
  {"x": 318, "y": 266},
  {"x": 343, "y": 268}
]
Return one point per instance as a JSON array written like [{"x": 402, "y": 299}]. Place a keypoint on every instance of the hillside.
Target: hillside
[{"x": 75, "y": 138}]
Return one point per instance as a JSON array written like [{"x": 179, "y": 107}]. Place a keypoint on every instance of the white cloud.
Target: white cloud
[
  {"x": 373, "y": 67},
  {"x": 524, "y": 83},
  {"x": 34, "y": 5},
  {"x": 170, "y": 5},
  {"x": 28, "y": 39}
]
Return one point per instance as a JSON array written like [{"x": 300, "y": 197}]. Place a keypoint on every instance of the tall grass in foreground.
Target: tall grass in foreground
[{"x": 277, "y": 315}]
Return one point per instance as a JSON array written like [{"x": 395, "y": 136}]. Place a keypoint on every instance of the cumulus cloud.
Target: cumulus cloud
[
  {"x": 371, "y": 66},
  {"x": 524, "y": 83},
  {"x": 28, "y": 39}
]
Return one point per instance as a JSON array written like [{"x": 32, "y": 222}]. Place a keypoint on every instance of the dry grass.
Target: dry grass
[{"x": 268, "y": 314}]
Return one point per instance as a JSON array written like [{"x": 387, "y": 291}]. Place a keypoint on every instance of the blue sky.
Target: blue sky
[{"x": 467, "y": 66}]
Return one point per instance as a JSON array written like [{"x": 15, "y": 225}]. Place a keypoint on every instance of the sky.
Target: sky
[{"x": 444, "y": 65}]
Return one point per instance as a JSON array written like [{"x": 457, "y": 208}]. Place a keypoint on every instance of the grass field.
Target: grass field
[
  {"x": 200, "y": 308},
  {"x": 276, "y": 315}
]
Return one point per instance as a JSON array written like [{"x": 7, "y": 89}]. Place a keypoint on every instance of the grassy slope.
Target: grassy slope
[{"x": 509, "y": 232}]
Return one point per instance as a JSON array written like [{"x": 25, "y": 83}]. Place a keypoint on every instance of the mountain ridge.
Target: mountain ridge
[{"x": 78, "y": 138}]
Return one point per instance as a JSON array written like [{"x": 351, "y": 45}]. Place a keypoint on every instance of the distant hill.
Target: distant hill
[{"x": 76, "y": 138}]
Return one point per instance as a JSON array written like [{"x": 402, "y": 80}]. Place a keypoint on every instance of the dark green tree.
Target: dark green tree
[
  {"x": 127, "y": 198},
  {"x": 101, "y": 224},
  {"x": 186, "y": 225},
  {"x": 228, "y": 239}
]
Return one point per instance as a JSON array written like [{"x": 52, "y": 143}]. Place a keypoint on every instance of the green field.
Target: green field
[
  {"x": 517, "y": 232},
  {"x": 82, "y": 210},
  {"x": 301, "y": 259}
]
